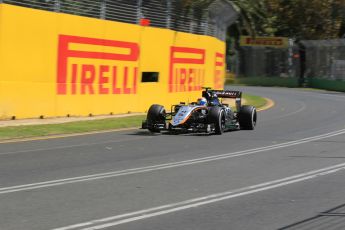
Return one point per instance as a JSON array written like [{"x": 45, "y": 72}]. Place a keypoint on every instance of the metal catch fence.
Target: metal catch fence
[
  {"x": 324, "y": 59},
  {"x": 307, "y": 59},
  {"x": 264, "y": 62},
  {"x": 212, "y": 19}
]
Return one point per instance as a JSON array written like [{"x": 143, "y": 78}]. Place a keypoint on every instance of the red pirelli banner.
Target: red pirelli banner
[
  {"x": 276, "y": 42},
  {"x": 187, "y": 72},
  {"x": 94, "y": 78}
]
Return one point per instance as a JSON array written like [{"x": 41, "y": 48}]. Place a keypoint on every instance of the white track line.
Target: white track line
[
  {"x": 196, "y": 202},
  {"x": 303, "y": 107},
  {"x": 77, "y": 145},
  {"x": 151, "y": 168}
]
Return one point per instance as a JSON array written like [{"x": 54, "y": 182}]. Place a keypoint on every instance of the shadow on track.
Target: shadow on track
[
  {"x": 148, "y": 133},
  {"x": 318, "y": 157},
  {"x": 167, "y": 133},
  {"x": 330, "y": 219}
]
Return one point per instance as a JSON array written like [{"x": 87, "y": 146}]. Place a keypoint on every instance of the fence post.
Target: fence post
[
  {"x": 191, "y": 20},
  {"x": 206, "y": 24},
  {"x": 168, "y": 14},
  {"x": 103, "y": 9},
  {"x": 139, "y": 10},
  {"x": 290, "y": 62},
  {"x": 57, "y": 5}
]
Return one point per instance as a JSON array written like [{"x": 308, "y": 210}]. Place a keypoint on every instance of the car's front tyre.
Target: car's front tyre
[
  {"x": 155, "y": 115},
  {"x": 247, "y": 117},
  {"x": 217, "y": 117}
]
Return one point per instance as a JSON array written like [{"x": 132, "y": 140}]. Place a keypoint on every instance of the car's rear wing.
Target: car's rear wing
[
  {"x": 237, "y": 95},
  {"x": 227, "y": 93}
]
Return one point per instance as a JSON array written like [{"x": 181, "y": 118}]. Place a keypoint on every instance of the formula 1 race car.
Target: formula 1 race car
[{"x": 211, "y": 117}]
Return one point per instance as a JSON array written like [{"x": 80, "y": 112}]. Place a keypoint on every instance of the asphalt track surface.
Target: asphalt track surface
[{"x": 287, "y": 174}]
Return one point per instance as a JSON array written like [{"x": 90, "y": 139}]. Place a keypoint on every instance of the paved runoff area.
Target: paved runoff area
[
  {"x": 286, "y": 174},
  {"x": 59, "y": 120}
]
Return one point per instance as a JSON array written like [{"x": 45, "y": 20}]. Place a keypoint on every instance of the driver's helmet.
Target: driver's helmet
[
  {"x": 214, "y": 99},
  {"x": 202, "y": 101}
]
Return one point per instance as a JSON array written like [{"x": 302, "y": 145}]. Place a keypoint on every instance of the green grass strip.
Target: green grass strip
[
  {"x": 264, "y": 81},
  {"x": 27, "y": 131},
  {"x": 257, "y": 101}
]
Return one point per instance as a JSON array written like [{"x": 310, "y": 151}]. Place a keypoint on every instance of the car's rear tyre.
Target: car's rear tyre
[
  {"x": 247, "y": 117},
  {"x": 217, "y": 117},
  {"x": 155, "y": 115}
]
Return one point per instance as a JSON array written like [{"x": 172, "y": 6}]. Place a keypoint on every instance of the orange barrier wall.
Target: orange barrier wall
[{"x": 54, "y": 64}]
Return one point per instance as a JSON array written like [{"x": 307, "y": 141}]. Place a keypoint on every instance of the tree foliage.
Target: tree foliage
[
  {"x": 307, "y": 19},
  {"x": 253, "y": 18},
  {"x": 300, "y": 19}
]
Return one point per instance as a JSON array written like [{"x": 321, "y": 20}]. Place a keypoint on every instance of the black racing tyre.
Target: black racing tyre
[
  {"x": 156, "y": 114},
  {"x": 217, "y": 117},
  {"x": 247, "y": 117}
]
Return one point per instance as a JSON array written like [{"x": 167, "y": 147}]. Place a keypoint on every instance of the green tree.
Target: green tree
[
  {"x": 253, "y": 18},
  {"x": 307, "y": 19}
]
